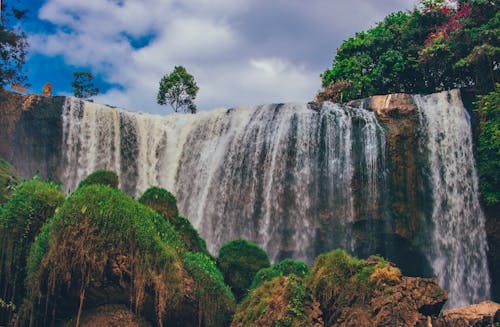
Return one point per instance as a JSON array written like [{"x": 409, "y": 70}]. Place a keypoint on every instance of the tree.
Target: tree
[
  {"x": 13, "y": 48},
  {"x": 178, "y": 89},
  {"x": 83, "y": 85}
]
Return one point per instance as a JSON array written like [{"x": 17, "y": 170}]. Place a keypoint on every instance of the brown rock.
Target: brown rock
[
  {"x": 486, "y": 313},
  {"x": 110, "y": 315}
]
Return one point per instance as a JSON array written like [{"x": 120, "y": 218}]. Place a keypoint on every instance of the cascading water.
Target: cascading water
[
  {"x": 458, "y": 252},
  {"x": 295, "y": 180}
]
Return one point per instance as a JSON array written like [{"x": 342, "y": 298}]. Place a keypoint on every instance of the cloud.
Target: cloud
[{"x": 241, "y": 52}]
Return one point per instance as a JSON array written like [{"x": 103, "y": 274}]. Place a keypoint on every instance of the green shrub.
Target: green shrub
[
  {"x": 7, "y": 180},
  {"x": 165, "y": 204},
  {"x": 239, "y": 260},
  {"x": 488, "y": 108},
  {"x": 283, "y": 301},
  {"x": 32, "y": 203},
  {"x": 216, "y": 303},
  {"x": 101, "y": 177},
  {"x": 96, "y": 227},
  {"x": 282, "y": 268}
]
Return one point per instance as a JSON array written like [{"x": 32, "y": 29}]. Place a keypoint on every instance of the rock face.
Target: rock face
[{"x": 483, "y": 314}]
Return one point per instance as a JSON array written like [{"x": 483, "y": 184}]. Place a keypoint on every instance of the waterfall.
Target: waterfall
[
  {"x": 458, "y": 251},
  {"x": 280, "y": 175}
]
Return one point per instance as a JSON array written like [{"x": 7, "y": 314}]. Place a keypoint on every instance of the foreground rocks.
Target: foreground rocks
[{"x": 486, "y": 313}]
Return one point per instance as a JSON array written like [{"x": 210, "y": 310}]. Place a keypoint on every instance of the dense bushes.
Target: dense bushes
[
  {"x": 101, "y": 177},
  {"x": 30, "y": 206},
  {"x": 488, "y": 109},
  {"x": 7, "y": 180},
  {"x": 239, "y": 260},
  {"x": 165, "y": 204},
  {"x": 282, "y": 268}
]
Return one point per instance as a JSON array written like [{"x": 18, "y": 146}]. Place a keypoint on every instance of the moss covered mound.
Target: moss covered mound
[
  {"x": 101, "y": 177},
  {"x": 239, "y": 260},
  {"x": 371, "y": 292},
  {"x": 282, "y": 268},
  {"x": 283, "y": 301},
  {"x": 103, "y": 241},
  {"x": 7, "y": 180},
  {"x": 216, "y": 303},
  {"x": 30, "y": 206},
  {"x": 165, "y": 204}
]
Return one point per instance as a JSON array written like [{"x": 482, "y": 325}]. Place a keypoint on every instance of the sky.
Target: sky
[{"x": 240, "y": 52}]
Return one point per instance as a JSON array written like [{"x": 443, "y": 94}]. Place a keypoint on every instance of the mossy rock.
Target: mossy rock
[
  {"x": 282, "y": 301},
  {"x": 101, "y": 177},
  {"x": 32, "y": 203},
  {"x": 282, "y": 268},
  {"x": 216, "y": 303},
  {"x": 239, "y": 260},
  {"x": 102, "y": 239},
  {"x": 8, "y": 180},
  {"x": 339, "y": 280},
  {"x": 162, "y": 201},
  {"x": 165, "y": 203}
]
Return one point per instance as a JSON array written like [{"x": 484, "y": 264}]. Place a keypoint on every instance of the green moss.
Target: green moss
[
  {"x": 165, "y": 204},
  {"x": 282, "y": 301},
  {"x": 32, "y": 203},
  {"x": 216, "y": 303},
  {"x": 239, "y": 260},
  {"x": 96, "y": 226},
  {"x": 101, "y": 177},
  {"x": 282, "y": 268},
  {"x": 7, "y": 180},
  {"x": 488, "y": 108}
]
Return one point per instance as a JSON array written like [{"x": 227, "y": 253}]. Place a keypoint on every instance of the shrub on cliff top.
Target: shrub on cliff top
[
  {"x": 101, "y": 177},
  {"x": 98, "y": 232},
  {"x": 30, "y": 206},
  {"x": 216, "y": 303},
  {"x": 239, "y": 260},
  {"x": 165, "y": 204},
  {"x": 7, "y": 180},
  {"x": 282, "y": 268},
  {"x": 283, "y": 301}
]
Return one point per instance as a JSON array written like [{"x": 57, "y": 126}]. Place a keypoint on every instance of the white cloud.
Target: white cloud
[{"x": 236, "y": 55}]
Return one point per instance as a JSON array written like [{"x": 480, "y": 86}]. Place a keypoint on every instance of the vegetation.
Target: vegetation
[
  {"x": 178, "y": 89},
  {"x": 83, "y": 85},
  {"x": 216, "y": 303},
  {"x": 438, "y": 46},
  {"x": 101, "y": 177},
  {"x": 239, "y": 260},
  {"x": 99, "y": 232},
  {"x": 13, "y": 47},
  {"x": 282, "y": 301},
  {"x": 282, "y": 268},
  {"x": 338, "y": 280},
  {"x": 165, "y": 204},
  {"x": 488, "y": 109},
  {"x": 7, "y": 180},
  {"x": 32, "y": 203}
]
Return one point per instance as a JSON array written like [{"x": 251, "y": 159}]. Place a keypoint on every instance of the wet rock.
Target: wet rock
[{"x": 484, "y": 314}]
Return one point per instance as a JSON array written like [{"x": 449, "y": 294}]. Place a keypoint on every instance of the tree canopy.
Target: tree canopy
[
  {"x": 437, "y": 46},
  {"x": 83, "y": 85},
  {"x": 178, "y": 89}
]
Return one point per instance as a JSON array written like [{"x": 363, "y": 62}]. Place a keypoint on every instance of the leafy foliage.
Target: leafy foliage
[
  {"x": 83, "y": 85},
  {"x": 99, "y": 227},
  {"x": 7, "y": 180},
  {"x": 165, "y": 204},
  {"x": 178, "y": 89},
  {"x": 13, "y": 49},
  {"x": 216, "y": 303},
  {"x": 282, "y": 268},
  {"x": 101, "y": 177},
  {"x": 422, "y": 51},
  {"x": 239, "y": 260},
  {"x": 488, "y": 109},
  {"x": 280, "y": 302},
  {"x": 31, "y": 205}
]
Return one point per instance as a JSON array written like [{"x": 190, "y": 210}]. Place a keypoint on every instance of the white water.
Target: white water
[{"x": 458, "y": 252}]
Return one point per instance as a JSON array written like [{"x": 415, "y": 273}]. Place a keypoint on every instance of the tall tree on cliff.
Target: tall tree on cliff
[
  {"x": 178, "y": 89},
  {"x": 13, "y": 47}
]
